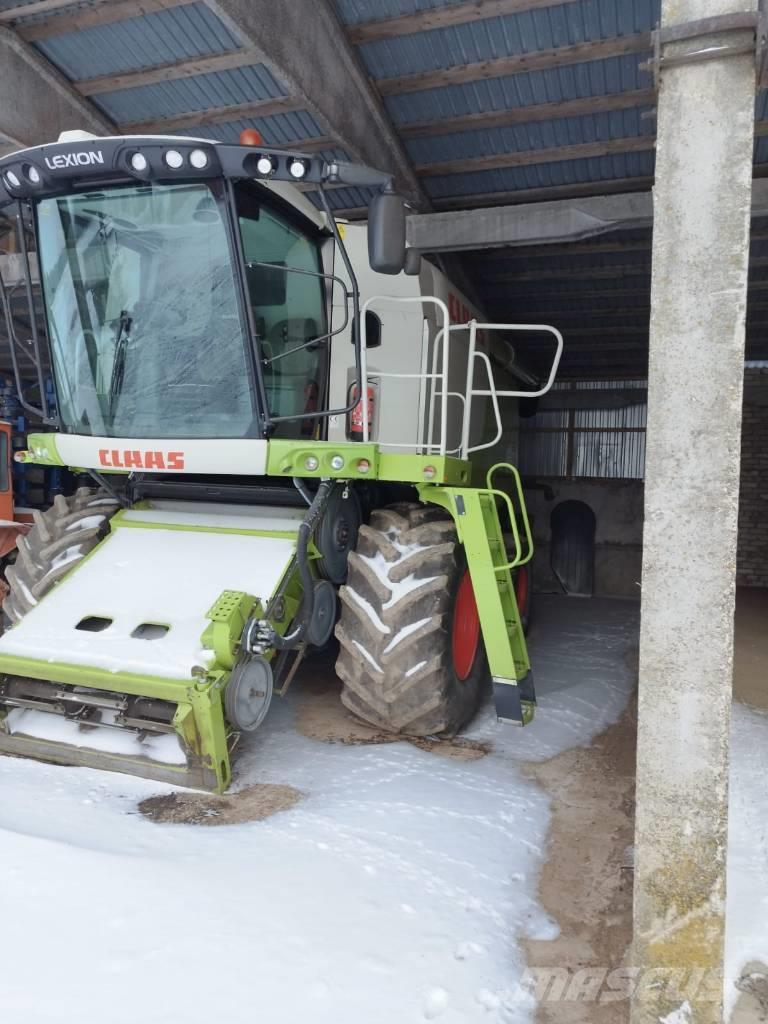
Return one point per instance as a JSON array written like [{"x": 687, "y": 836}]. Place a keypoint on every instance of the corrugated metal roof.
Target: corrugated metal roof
[
  {"x": 352, "y": 12},
  {"x": 160, "y": 38},
  {"x": 564, "y": 172},
  {"x": 200, "y": 92},
  {"x": 193, "y": 30},
  {"x": 594, "y": 78},
  {"x": 276, "y": 130},
  {"x": 619, "y": 124},
  {"x": 490, "y": 38},
  {"x": 344, "y": 198}
]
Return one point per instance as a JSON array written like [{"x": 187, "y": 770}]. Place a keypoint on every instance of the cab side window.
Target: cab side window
[{"x": 288, "y": 311}]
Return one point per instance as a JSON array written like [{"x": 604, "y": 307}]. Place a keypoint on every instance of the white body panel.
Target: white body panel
[
  {"x": 148, "y": 455},
  {"x": 399, "y": 415},
  {"x": 228, "y": 517},
  {"x": 162, "y": 576}
]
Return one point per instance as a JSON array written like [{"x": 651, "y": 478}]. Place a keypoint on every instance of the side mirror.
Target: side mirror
[
  {"x": 412, "y": 262},
  {"x": 386, "y": 233}
]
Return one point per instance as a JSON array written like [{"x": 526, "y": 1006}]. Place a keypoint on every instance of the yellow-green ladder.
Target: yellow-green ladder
[{"x": 475, "y": 512}]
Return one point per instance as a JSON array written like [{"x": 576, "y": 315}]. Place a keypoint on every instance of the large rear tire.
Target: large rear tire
[
  {"x": 60, "y": 538},
  {"x": 404, "y": 660}
]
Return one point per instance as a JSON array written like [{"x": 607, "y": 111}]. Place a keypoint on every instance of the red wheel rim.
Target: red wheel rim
[
  {"x": 521, "y": 589},
  {"x": 466, "y": 629}
]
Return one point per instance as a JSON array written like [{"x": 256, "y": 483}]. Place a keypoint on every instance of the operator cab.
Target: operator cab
[{"x": 186, "y": 293}]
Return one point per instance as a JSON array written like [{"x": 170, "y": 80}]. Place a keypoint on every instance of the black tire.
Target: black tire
[
  {"x": 79, "y": 521},
  {"x": 382, "y": 684}
]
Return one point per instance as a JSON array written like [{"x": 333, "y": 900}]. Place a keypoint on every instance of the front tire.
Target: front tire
[
  {"x": 398, "y": 627},
  {"x": 61, "y": 537}
]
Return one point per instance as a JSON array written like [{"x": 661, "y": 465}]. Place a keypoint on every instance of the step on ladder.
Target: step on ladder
[{"x": 476, "y": 513}]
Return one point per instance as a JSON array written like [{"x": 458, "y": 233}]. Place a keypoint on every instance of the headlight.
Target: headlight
[
  {"x": 12, "y": 179},
  {"x": 174, "y": 159},
  {"x": 34, "y": 175},
  {"x": 139, "y": 162},
  {"x": 298, "y": 168},
  {"x": 198, "y": 158},
  {"x": 266, "y": 164}
]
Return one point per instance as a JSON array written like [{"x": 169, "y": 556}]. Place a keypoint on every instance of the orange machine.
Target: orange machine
[{"x": 13, "y": 524}]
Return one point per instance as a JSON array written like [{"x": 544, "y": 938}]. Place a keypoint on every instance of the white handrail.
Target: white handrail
[
  {"x": 441, "y": 352},
  {"x": 494, "y": 401},
  {"x": 555, "y": 361}
]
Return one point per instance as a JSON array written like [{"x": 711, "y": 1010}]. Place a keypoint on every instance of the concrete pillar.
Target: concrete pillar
[{"x": 698, "y": 300}]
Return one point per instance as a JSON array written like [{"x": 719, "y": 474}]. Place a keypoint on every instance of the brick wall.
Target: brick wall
[{"x": 752, "y": 555}]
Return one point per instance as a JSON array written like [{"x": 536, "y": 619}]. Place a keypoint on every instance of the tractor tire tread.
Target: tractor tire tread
[
  {"x": 395, "y": 658},
  {"x": 68, "y": 523}
]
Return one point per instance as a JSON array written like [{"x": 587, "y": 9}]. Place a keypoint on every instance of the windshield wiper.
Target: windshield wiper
[{"x": 118, "y": 365}]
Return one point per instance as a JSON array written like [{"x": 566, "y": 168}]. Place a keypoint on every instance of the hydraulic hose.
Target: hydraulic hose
[{"x": 306, "y": 529}]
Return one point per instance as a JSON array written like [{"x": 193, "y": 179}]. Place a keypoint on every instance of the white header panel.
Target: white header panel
[{"x": 242, "y": 457}]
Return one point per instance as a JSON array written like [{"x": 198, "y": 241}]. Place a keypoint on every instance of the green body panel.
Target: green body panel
[
  {"x": 228, "y": 617},
  {"x": 199, "y": 719},
  {"x": 42, "y": 450},
  {"x": 135, "y": 524},
  {"x": 288, "y": 458}
]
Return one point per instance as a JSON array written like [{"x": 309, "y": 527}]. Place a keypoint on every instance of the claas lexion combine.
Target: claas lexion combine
[{"x": 267, "y": 457}]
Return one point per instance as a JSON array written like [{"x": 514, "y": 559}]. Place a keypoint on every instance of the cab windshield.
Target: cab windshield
[{"x": 146, "y": 332}]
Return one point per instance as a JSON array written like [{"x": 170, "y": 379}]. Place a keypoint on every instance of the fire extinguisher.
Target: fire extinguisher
[{"x": 355, "y": 424}]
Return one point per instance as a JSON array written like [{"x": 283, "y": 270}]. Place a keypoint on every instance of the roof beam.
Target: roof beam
[
  {"x": 442, "y": 17},
  {"x": 36, "y": 101},
  {"x": 547, "y": 193},
  {"x": 532, "y": 114},
  {"x": 327, "y": 78},
  {"x": 504, "y": 293},
  {"x": 529, "y": 157},
  {"x": 572, "y": 249},
  {"x": 11, "y": 14},
  {"x": 101, "y": 12},
  {"x": 501, "y": 67},
  {"x": 163, "y": 72},
  {"x": 565, "y": 273},
  {"x": 555, "y": 221},
  {"x": 214, "y": 115}
]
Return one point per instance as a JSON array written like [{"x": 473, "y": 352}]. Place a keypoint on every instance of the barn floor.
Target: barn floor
[{"x": 353, "y": 878}]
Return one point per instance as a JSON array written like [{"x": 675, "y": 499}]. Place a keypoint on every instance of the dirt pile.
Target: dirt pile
[
  {"x": 250, "y": 804},
  {"x": 322, "y": 716}
]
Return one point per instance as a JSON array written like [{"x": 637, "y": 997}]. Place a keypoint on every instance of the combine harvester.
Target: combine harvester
[{"x": 257, "y": 439}]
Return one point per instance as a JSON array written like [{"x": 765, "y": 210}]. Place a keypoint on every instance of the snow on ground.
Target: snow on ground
[
  {"x": 397, "y": 890},
  {"x": 747, "y": 883}
]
